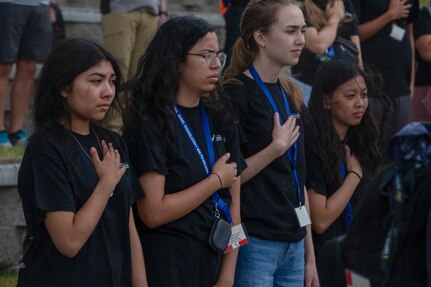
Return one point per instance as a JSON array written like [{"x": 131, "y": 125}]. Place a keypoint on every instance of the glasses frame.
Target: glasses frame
[{"x": 208, "y": 59}]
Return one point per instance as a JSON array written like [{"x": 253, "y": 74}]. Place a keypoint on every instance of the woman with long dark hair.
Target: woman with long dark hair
[
  {"x": 185, "y": 151},
  {"x": 343, "y": 153},
  {"x": 74, "y": 183}
]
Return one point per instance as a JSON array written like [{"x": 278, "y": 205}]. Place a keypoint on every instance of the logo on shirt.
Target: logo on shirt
[{"x": 218, "y": 138}]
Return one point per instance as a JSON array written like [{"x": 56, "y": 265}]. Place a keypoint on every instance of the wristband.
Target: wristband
[
  {"x": 219, "y": 179},
  {"x": 357, "y": 174}
]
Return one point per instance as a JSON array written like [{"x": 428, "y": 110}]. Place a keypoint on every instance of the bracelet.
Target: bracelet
[
  {"x": 219, "y": 179},
  {"x": 163, "y": 13},
  {"x": 357, "y": 174}
]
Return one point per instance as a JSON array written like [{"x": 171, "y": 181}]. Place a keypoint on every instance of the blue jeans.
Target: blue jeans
[{"x": 270, "y": 263}]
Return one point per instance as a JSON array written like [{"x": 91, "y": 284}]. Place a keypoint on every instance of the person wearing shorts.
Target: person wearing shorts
[{"x": 25, "y": 41}]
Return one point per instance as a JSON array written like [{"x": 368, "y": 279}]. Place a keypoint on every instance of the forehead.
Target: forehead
[
  {"x": 103, "y": 67},
  {"x": 356, "y": 83},
  {"x": 207, "y": 42},
  {"x": 289, "y": 15}
]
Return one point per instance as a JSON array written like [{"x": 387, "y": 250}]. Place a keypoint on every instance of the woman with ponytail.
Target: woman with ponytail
[{"x": 269, "y": 109}]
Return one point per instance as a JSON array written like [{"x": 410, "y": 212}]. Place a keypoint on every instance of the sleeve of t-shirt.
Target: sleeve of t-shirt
[
  {"x": 233, "y": 147},
  {"x": 315, "y": 179},
  {"x": 422, "y": 25},
  {"x": 146, "y": 151},
  {"x": 52, "y": 189},
  {"x": 236, "y": 93}
]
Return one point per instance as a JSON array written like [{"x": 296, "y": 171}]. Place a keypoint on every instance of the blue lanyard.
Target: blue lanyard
[
  {"x": 215, "y": 198},
  {"x": 348, "y": 211},
  {"x": 292, "y": 152}
]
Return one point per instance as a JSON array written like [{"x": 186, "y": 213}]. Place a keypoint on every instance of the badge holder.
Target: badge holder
[{"x": 302, "y": 215}]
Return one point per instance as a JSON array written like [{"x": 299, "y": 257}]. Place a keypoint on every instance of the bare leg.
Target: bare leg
[
  {"x": 21, "y": 94},
  {"x": 5, "y": 69}
]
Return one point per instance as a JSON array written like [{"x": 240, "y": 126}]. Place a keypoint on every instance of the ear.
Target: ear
[
  {"x": 260, "y": 38},
  {"x": 65, "y": 92}
]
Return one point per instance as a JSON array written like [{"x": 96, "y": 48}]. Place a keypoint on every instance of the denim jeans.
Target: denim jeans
[{"x": 265, "y": 263}]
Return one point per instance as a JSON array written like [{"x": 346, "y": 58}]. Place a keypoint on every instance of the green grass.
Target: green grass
[
  {"x": 8, "y": 277},
  {"x": 14, "y": 152}
]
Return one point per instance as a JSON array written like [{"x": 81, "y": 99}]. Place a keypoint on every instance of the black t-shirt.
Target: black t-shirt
[
  {"x": 384, "y": 54},
  {"x": 183, "y": 168},
  {"x": 56, "y": 175},
  {"x": 422, "y": 26},
  {"x": 308, "y": 64},
  {"x": 316, "y": 181},
  {"x": 269, "y": 198}
]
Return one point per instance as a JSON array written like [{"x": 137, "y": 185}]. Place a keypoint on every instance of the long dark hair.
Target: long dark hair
[
  {"x": 152, "y": 90},
  {"x": 362, "y": 138},
  {"x": 67, "y": 60}
]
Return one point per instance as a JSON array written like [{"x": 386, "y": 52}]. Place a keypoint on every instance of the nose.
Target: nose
[
  {"x": 300, "y": 39},
  {"x": 360, "y": 102},
  {"x": 108, "y": 90}
]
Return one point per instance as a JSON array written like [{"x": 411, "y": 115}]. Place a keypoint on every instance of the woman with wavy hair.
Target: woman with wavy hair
[
  {"x": 184, "y": 148},
  {"x": 343, "y": 151},
  {"x": 269, "y": 109}
]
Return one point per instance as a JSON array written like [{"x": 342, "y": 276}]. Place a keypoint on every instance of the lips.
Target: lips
[{"x": 358, "y": 114}]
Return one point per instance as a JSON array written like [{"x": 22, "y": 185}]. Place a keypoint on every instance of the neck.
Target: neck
[
  {"x": 79, "y": 127},
  {"x": 342, "y": 132},
  {"x": 187, "y": 99},
  {"x": 267, "y": 71}
]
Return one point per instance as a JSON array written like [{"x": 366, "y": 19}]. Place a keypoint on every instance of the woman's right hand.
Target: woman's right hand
[
  {"x": 226, "y": 171},
  {"x": 108, "y": 168},
  {"x": 335, "y": 10},
  {"x": 399, "y": 9},
  {"x": 352, "y": 162},
  {"x": 284, "y": 136}
]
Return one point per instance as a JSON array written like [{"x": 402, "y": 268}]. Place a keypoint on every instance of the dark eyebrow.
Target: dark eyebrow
[
  {"x": 102, "y": 75},
  {"x": 209, "y": 51},
  {"x": 297, "y": 26}
]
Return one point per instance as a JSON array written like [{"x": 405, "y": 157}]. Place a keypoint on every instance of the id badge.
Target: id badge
[
  {"x": 397, "y": 32},
  {"x": 302, "y": 215},
  {"x": 238, "y": 238},
  {"x": 353, "y": 279}
]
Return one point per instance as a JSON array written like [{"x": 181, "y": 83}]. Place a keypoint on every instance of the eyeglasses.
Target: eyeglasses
[{"x": 213, "y": 59}]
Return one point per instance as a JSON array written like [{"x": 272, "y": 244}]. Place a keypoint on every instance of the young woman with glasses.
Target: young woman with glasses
[
  {"x": 269, "y": 109},
  {"x": 185, "y": 151}
]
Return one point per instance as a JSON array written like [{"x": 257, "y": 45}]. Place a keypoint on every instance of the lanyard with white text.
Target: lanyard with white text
[
  {"x": 219, "y": 203},
  {"x": 348, "y": 211},
  {"x": 292, "y": 152}
]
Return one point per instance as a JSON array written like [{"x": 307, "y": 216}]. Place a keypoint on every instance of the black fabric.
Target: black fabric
[
  {"x": 365, "y": 240},
  {"x": 316, "y": 181},
  {"x": 105, "y": 6},
  {"x": 382, "y": 53},
  {"x": 422, "y": 26},
  {"x": 56, "y": 175},
  {"x": 307, "y": 65},
  {"x": 183, "y": 168},
  {"x": 269, "y": 198}
]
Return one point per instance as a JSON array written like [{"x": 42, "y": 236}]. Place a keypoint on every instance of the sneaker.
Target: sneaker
[
  {"x": 18, "y": 138},
  {"x": 4, "y": 139}
]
